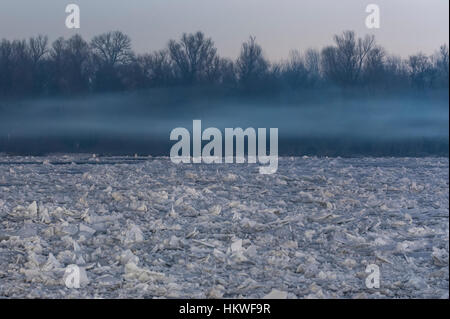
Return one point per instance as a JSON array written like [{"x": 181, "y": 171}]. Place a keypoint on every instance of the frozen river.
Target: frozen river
[{"x": 144, "y": 227}]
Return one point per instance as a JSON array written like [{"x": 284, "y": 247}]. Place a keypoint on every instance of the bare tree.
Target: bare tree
[
  {"x": 70, "y": 62},
  {"x": 5, "y": 67},
  {"x": 443, "y": 59},
  {"x": 343, "y": 63},
  {"x": 251, "y": 64},
  {"x": 112, "y": 48},
  {"x": 421, "y": 70},
  {"x": 220, "y": 71},
  {"x": 112, "y": 54},
  {"x": 374, "y": 68},
  {"x": 157, "y": 68},
  {"x": 108, "y": 63},
  {"x": 441, "y": 64},
  {"x": 294, "y": 71},
  {"x": 21, "y": 68},
  {"x": 78, "y": 50},
  {"x": 312, "y": 64},
  {"x": 193, "y": 56},
  {"x": 38, "y": 48}
]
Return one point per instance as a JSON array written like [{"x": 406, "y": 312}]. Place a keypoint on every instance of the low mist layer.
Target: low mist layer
[{"x": 326, "y": 123}]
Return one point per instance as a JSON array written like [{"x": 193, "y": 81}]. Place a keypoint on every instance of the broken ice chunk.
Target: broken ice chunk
[
  {"x": 215, "y": 210},
  {"x": 142, "y": 208},
  {"x": 216, "y": 292},
  {"x": 127, "y": 256},
  {"x": 132, "y": 271},
  {"x": 236, "y": 246},
  {"x": 32, "y": 209},
  {"x": 237, "y": 252},
  {"x": 133, "y": 235},
  {"x": 87, "y": 229},
  {"x": 440, "y": 257},
  {"x": 45, "y": 217},
  {"x": 276, "y": 294},
  {"x": 51, "y": 264},
  {"x": 117, "y": 196},
  {"x": 75, "y": 277}
]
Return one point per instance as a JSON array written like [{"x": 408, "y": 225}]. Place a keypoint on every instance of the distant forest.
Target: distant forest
[{"x": 107, "y": 63}]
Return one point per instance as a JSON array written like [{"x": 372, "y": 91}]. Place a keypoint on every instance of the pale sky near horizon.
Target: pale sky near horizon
[{"x": 407, "y": 26}]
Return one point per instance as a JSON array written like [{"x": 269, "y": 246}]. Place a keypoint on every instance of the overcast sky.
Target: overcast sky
[{"x": 407, "y": 26}]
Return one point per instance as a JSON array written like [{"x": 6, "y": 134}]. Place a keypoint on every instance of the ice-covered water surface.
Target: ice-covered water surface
[{"x": 144, "y": 227}]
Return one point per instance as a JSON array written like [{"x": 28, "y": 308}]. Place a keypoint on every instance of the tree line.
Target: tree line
[{"x": 107, "y": 63}]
